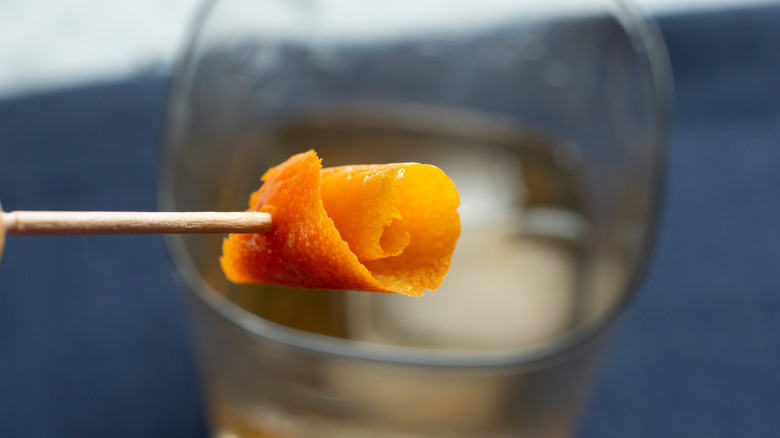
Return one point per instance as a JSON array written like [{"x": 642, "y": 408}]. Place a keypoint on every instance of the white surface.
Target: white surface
[{"x": 49, "y": 44}]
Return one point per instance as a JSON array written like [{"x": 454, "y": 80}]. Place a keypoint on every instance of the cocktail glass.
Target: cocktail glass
[{"x": 551, "y": 119}]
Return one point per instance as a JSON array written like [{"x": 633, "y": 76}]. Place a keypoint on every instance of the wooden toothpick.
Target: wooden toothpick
[{"x": 131, "y": 222}]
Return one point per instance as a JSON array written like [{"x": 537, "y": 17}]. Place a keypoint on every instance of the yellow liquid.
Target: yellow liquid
[
  {"x": 514, "y": 271},
  {"x": 516, "y": 279}
]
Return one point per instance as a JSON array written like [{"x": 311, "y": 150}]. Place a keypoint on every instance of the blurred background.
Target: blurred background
[
  {"x": 93, "y": 336},
  {"x": 50, "y": 44}
]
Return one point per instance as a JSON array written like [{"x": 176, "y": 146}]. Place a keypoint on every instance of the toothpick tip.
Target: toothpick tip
[{"x": 2, "y": 232}]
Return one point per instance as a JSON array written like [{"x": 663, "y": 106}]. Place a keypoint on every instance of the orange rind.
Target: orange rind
[{"x": 379, "y": 228}]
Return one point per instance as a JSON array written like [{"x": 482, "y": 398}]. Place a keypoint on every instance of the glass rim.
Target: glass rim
[{"x": 643, "y": 28}]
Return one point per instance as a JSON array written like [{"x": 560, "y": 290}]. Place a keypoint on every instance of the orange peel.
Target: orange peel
[{"x": 380, "y": 228}]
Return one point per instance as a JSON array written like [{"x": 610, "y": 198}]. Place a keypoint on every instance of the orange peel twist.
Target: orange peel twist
[{"x": 380, "y": 228}]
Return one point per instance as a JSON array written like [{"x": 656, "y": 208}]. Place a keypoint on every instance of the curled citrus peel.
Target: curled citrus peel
[{"x": 380, "y": 228}]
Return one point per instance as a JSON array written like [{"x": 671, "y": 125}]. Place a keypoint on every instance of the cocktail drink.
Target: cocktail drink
[{"x": 550, "y": 119}]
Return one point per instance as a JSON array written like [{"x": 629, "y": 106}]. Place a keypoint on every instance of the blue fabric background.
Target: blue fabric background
[
  {"x": 698, "y": 353},
  {"x": 93, "y": 338}
]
